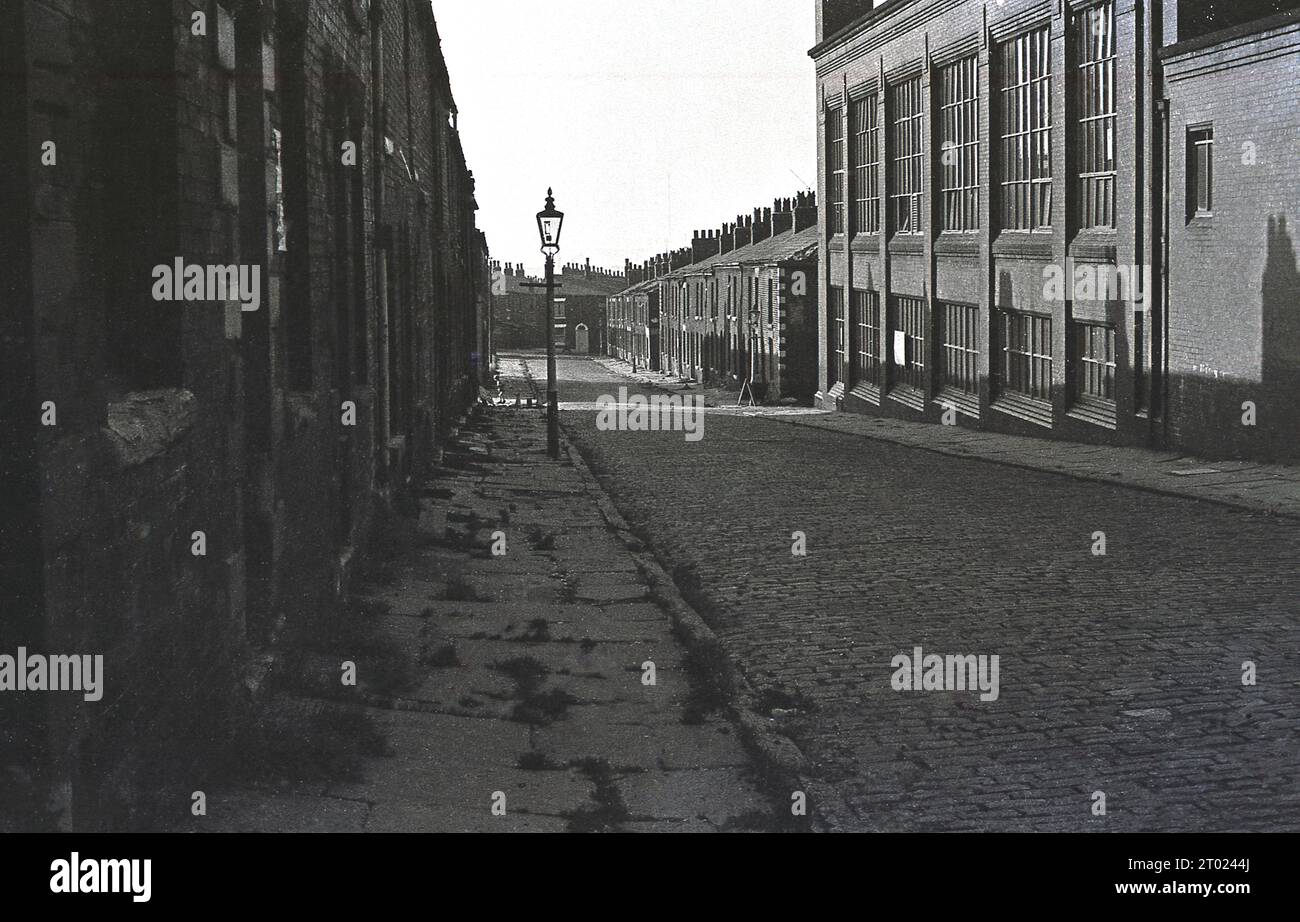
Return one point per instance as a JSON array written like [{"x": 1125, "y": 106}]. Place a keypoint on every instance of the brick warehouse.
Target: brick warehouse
[
  {"x": 144, "y": 131},
  {"x": 746, "y": 291},
  {"x": 519, "y": 313},
  {"x": 1057, "y": 218}
]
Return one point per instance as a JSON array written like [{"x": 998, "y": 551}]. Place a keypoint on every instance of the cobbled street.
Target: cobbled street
[{"x": 1120, "y": 675}]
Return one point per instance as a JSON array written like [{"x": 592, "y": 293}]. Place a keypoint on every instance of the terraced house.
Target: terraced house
[
  {"x": 739, "y": 302},
  {"x": 1071, "y": 218},
  {"x": 185, "y": 478}
]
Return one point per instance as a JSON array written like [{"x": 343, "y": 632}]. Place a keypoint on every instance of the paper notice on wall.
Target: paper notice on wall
[{"x": 900, "y": 348}]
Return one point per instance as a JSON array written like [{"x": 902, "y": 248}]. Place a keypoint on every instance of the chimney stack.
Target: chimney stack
[
  {"x": 805, "y": 211},
  {"x": 703, "y": 246},
  {"x": 782, "y": 216},
  {"x": 743, "y": 234}
]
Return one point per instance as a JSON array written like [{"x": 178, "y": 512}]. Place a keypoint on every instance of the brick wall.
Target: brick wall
[
  {"x": 218, "y": 148},
  {"x": 1234, "y": 306}
]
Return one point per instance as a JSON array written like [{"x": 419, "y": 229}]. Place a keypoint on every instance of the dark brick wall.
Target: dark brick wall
[
  {"x": 174, "y": 418},
  {"x": 128, "y": 475}
]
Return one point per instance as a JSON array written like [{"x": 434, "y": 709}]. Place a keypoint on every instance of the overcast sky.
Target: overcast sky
[{"x": 649, "y": 119}]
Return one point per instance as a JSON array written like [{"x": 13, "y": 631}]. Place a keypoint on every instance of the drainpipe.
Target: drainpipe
[
  {"x": 1160, "y": 333},
  {"x": 382, "y": 241}
]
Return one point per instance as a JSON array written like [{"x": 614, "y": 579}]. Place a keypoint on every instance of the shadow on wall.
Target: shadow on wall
[
  {"x": 1280, "y": 293},
  {"x": 1215, "y": 411}
]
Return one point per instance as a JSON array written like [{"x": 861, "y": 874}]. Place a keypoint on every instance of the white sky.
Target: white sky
[{"x": 650, "y": 119}]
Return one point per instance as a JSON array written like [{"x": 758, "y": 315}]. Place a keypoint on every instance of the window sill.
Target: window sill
[
  {"x": 1030, "y": 409},
  {"x": 907, "y": 244},
  {"x": 908, "y": 396},
  {"x": 958, "y": 243},
  {"x": 962, "y": 401},
  {"x": 1096, "y": 245},
  {"x": 1096, "y": 411},
  {"x": 1029, "y": 244},
  {"x": 868, "y": 392}
]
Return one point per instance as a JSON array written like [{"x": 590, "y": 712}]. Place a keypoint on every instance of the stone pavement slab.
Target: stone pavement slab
[{"x": 525, "y": 708}]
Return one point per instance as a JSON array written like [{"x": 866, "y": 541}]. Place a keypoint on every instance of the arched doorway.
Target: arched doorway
[{"x": 581, "y": 340}]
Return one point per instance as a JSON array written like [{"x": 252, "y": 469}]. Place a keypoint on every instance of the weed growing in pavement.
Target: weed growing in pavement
[
  {"x": 459, "y": 589},
  {"x": 608, "y": 812},
  {"x": 711, "y": 685},
  {"x": 760, "y": 821},
  {"x": 348, "y": 632},
  {"x": 440, "y": 656},
  {"x": 535, "y": 707},
  {"x": 541, "y": 540},
  {"x": 691, "y": 588},
  {"x": 302, "y": 741},
  {"x": 393, "y": 534},
  {"x": 539, "y": 631},
  {"x": 543, "y": 708},
  {"x": 527, "y": 672},
  {"x": 534, "y": 761}
]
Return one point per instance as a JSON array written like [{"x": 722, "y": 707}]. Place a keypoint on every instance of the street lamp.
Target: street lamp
[{"x": 549, "y": 224}]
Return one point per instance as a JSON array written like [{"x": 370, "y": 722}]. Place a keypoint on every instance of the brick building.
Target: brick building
[
  {"x": 740, "y": 296},
  {"x": 186, "y": 477},
  {"x": 1234, "y": 288},
  {"x": 1007, "y": 239},
  {"x": 519, "y": 312},
  {"x": 632, "y": 320}
]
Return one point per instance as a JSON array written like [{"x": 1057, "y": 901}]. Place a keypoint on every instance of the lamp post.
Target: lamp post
[
  {"x": 754, "y": 317},
  {"x": 549, "y": 224}
]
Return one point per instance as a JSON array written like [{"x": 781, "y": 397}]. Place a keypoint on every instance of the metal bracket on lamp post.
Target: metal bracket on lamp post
[{"x": 552, "y": 389}]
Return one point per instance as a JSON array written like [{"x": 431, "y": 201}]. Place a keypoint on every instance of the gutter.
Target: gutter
[{"x": 844, "y": 32}]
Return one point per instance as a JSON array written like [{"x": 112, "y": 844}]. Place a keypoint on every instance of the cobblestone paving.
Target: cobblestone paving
[{"x": 1119, "y": 674}]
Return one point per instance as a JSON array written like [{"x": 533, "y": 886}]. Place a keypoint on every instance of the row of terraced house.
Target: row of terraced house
[
  {"x": 1066, "y": 218},
  {"x": 737, "y": 305},
  {"x": 183, "y": 478}
]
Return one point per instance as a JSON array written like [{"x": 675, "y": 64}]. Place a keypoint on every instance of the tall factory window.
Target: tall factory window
[
  {"x": 1095, "y": 82},
  {"x": 1027, "y": 132},
  {"x": 959, "y": 126},
  {"x": 908, "y": 112},
  {"x": 866, "y": 165},
  {"x": 835, "y": 167}
]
